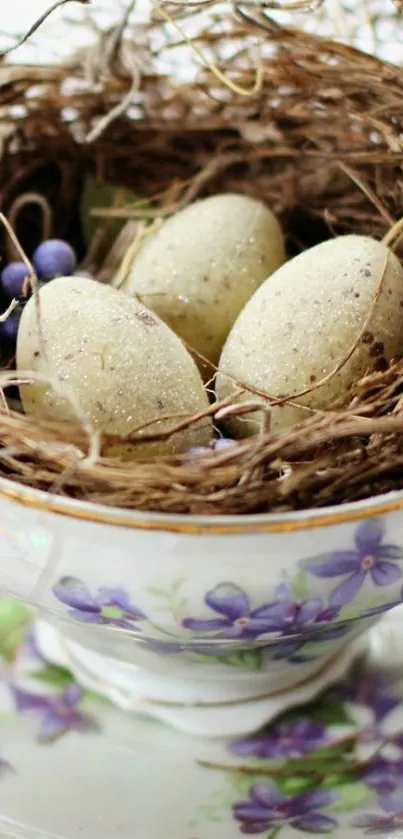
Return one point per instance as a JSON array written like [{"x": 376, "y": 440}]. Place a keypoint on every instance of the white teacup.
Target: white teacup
[{"x": 201, "y": 611}]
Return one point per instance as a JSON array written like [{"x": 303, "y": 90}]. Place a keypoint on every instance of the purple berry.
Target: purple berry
[
  {"x": 54, "y": 258},
  {"x": 9, "y": 327},
  {"x": 13, "y": 277}
]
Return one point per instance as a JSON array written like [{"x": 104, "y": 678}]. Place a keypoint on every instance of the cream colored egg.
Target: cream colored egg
[
  {"x": 301, "y": 324},
  {"x": 122, "y": 363},
  {"x": 202, "y": 266}
]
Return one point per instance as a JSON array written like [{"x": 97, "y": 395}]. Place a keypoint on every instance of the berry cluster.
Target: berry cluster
[{"x": 52, "y": 258}]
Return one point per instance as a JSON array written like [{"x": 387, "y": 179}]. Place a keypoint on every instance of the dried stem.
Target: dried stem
[
  {"x": 18, "y": 204},
  {"x": 393, "y": 235},
  {"x": 222, "y": 77}
]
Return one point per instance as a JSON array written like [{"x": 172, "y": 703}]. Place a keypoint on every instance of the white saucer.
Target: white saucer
[
  {"x": 336, "y": 764},
  {"x": 220, "y": 720}
]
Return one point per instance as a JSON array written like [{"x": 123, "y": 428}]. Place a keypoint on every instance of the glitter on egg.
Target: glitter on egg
[
  {"x": 207, "y": 257},
  {"x": 124, "y": 370},
  {"x": 289, "y": 337}
]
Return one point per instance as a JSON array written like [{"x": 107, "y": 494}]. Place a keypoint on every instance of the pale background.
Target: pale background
[
  {"x": 20, "y": 14},
  {"x": 347, "y": 16}
]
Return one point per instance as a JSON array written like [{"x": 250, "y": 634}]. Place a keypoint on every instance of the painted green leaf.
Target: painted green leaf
[
  {"x": 53, "y": 675},
  {"x": 90, "y": 697},
  {"x": 351, "y": 796},
  {"x": 294, "y": 784},
  {"x": 14, "y": 619},
  {"x": 319, "y": 763},
  {"x": 252, "y": 659},
  {"x": 240, "y": 784},
  {"x": 300, "y": 585},
  {"x": 275, "y": 831},
  {"x": 11, "y": 612},
  {"x": 327, "y": 713},
  {"x": 338, "y": 751}
]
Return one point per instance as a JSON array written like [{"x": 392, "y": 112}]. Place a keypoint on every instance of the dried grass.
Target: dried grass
[{"x": 316, "y": 133}]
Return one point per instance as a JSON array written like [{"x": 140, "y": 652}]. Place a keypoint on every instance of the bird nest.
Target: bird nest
[{"x": 178, "y": 108}]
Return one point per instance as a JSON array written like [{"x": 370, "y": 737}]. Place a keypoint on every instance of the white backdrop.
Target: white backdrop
[
  {"x": 20, "y": 14},
  {"x": 17, "y": 15}
]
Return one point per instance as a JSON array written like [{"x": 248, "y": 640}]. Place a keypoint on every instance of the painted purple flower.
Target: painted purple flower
[
  {"x": 284, "y": 617},
  {"x": 110, "y": 606},
  {"x": 266, "y": 808},
  {"x": 308, "y": 621},
  {"x": 286, "y": 740},
  {"x": 391, "y": 820},
  {"x": 374, "y": 710},
  {"x": 59, "y": 713},
  {"x": 371, "y": 558},
  {"x": 382, "y": 775},
  {"x": 373, "y": 689},
  {"x": 235, "y": 617}
]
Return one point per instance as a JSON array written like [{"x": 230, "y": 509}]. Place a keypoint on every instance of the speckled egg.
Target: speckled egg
[
  {"x": 123, "y": 364},
  {"x": 302, "y": 323},
  {"x": 202, "y": 266}
]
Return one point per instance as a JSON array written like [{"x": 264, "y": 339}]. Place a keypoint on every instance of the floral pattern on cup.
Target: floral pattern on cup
[
  {"x": 284, "y": 616},
  {"x": 288, "y": 625},
  {"x": 295, "y": 623},
  {"x": 267, "y": 808},
  {"x": 58, "y": 713},
  {"x": 108, "y": 606},
  {"x": 285, "y": 626},
  {"x": 371, "y": 557}
]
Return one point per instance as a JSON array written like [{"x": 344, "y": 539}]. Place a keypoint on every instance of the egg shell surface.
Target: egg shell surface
[
  {"x": 122, "y": 363},
  {"x": 200, "y": 269},
  {"x": 302, "y": 322}
]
